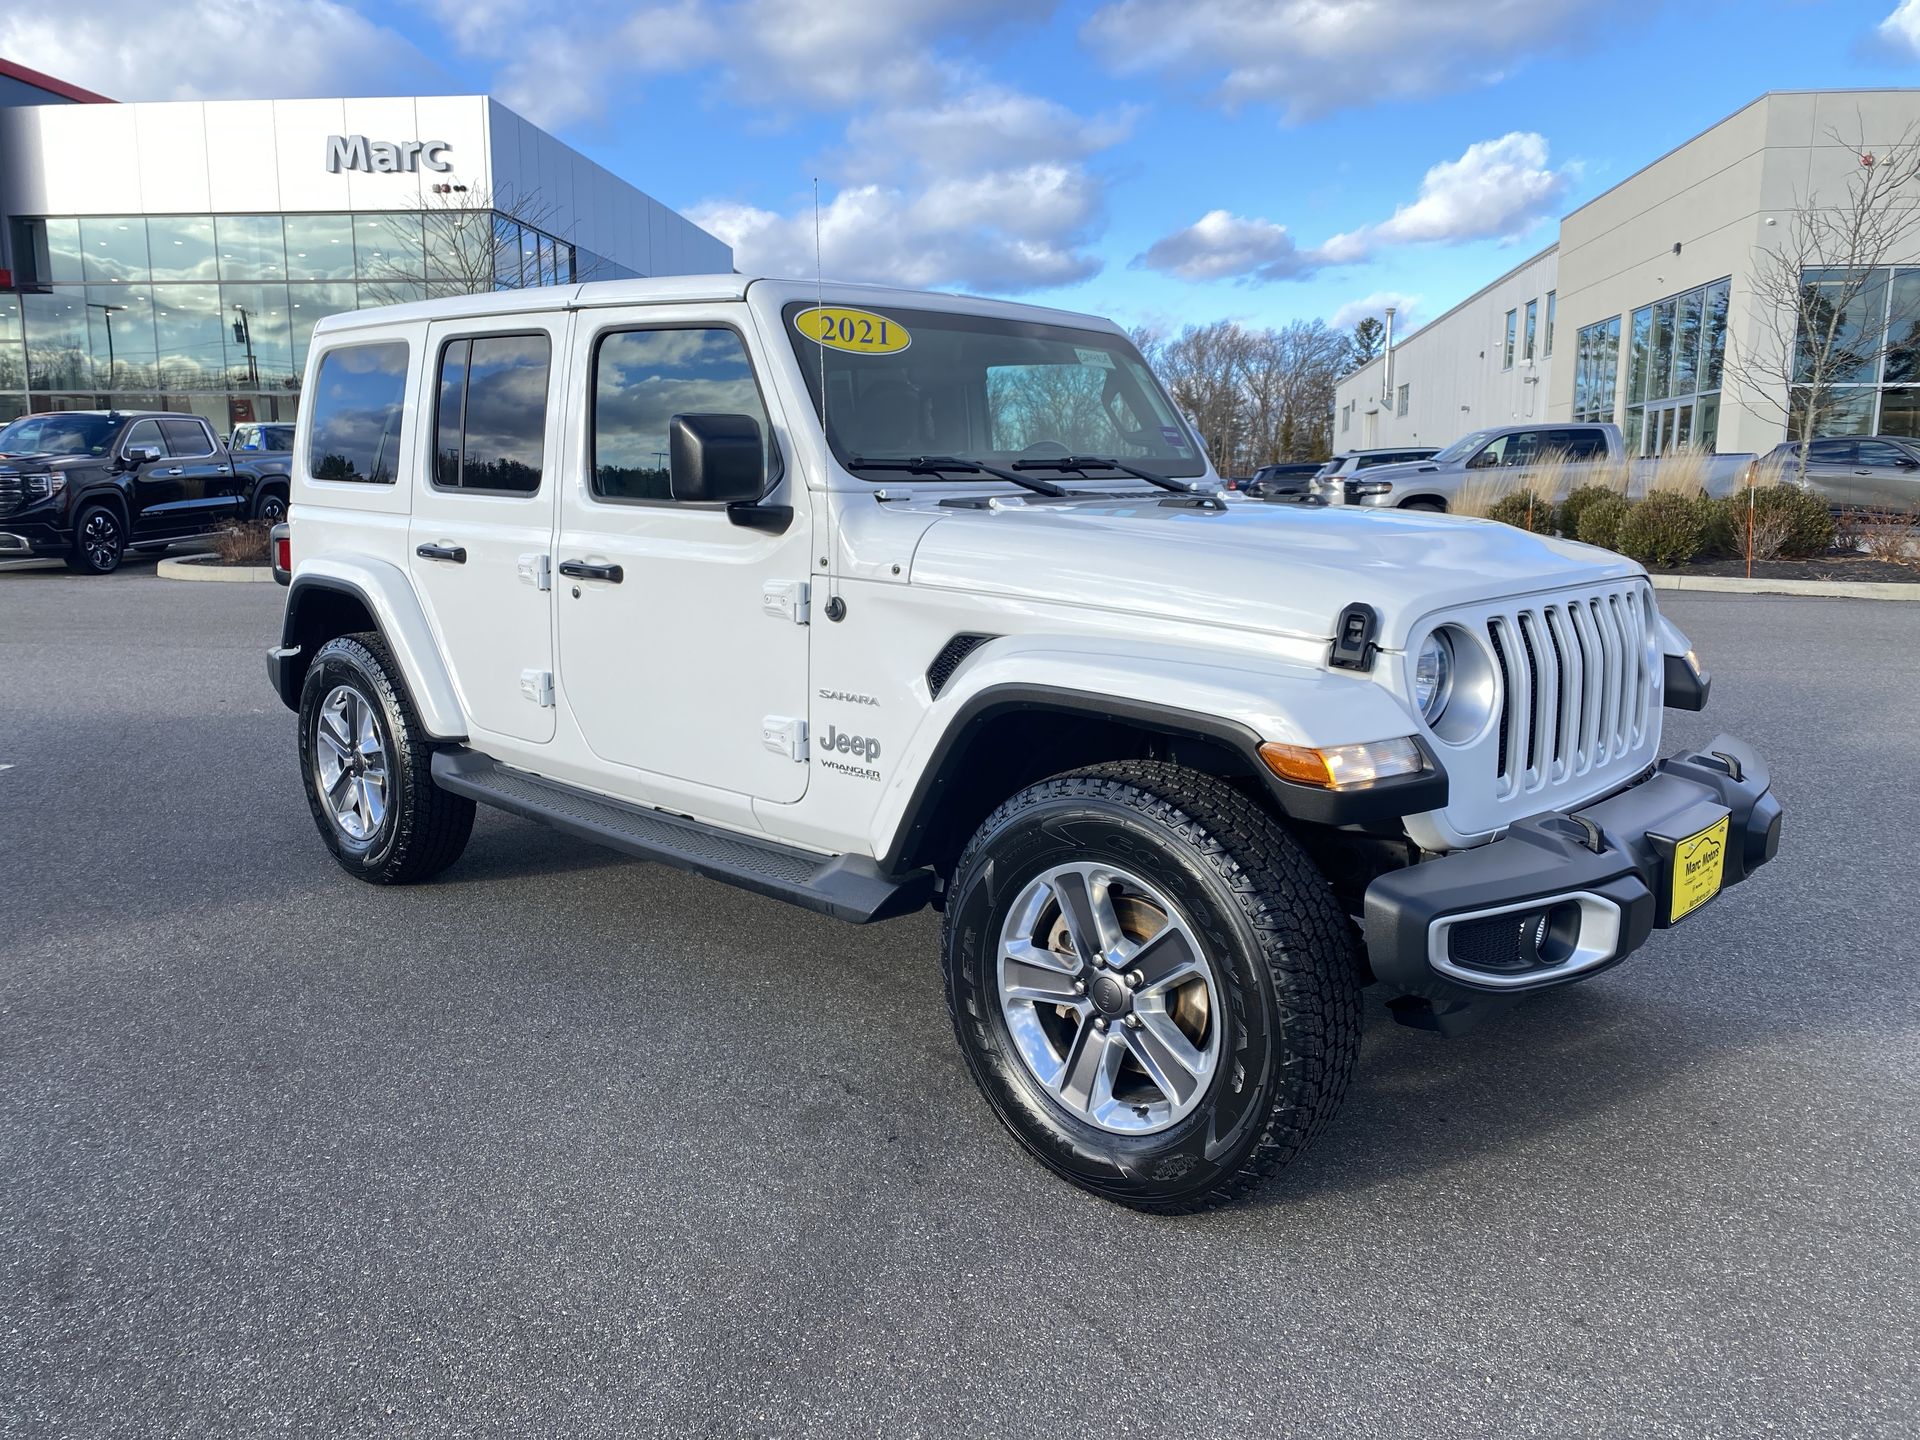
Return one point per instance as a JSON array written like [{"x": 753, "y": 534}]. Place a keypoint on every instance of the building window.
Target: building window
[
  {"x": 1400, "y": 407},
  {"x": 1673, "y": 376},
  {"x": 1547, "y": 349},
  {"x": 1346, "y": 417},
  {"x": 1872, "y": 365},
  {"x": 1513, "y": 320},
  {"x": 1533, "y": 323},
  {"x": 1596, "y": 365}
]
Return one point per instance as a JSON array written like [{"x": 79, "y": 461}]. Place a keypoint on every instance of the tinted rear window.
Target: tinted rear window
[
  {"x": 359, "y": 401},
  {"x": 186, "y": 439}
]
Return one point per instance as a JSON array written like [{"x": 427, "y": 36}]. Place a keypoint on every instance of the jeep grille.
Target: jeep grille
[{"x": 1577, "y": 685}]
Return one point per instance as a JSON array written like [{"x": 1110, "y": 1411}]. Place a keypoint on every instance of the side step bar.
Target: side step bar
[{"x": 847, "y": 887}]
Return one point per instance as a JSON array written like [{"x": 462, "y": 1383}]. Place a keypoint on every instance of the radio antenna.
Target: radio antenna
[{"x": 819, "y": 307}]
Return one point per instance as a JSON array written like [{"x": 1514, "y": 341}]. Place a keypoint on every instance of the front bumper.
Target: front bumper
[
  {"x": 21, "y": 537},
  {"x": 1560, "y": 896}
]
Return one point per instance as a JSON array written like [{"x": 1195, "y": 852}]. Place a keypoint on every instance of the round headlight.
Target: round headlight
[{"x": 1433, "y": 676}]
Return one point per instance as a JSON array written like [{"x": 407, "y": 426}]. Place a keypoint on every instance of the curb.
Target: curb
[
  {"x": 196, "y": 567},
  {"x": 1838, "y": 589}
]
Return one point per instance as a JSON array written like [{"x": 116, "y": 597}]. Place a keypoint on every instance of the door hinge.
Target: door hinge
[
  {"x": 784, "y": 735},
  {"x": 537, "y": 686},
  {"x": 537, "y": 570},
  {"x": 786, "y": 599}
]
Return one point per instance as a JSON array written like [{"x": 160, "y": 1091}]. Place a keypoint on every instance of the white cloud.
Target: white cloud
[
  {"x": 1497, "y": 189},
  {"x": 1221, "y": 245},
  {"x": 133, "y": 50},
  {"x": 1309, "y": 57},
  {"x": 1405, "y": 308},
  {"x": 1899, "y": 34}
]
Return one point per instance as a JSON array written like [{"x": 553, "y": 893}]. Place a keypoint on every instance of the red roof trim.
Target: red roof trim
[{"x": 42, "y": 81}]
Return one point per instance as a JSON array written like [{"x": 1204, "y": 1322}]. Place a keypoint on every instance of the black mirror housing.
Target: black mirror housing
[{"x": 717, "y": 459}]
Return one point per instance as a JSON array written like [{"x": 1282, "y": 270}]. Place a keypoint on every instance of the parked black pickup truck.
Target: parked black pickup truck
[{"x": 90, "y": 485}]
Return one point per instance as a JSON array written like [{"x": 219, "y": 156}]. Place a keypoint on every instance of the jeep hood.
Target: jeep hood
[{"x": 1253, "y": 565}]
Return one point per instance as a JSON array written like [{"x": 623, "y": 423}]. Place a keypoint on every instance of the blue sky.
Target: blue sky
[{"x": 1160, "y": 161}]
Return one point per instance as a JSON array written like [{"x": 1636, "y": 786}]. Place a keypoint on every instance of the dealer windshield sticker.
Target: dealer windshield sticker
[
  {"x": 1171, "y": 434},
  {"x": 1102, "y": 359},
  {"x": 860, "y": 332}
]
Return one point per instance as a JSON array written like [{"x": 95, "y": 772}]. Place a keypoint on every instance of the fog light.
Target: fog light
[{"x": 1344, "y": 767}]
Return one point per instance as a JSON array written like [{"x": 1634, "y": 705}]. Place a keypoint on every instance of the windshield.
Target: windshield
[
  {"x": 1463, "y": 447},
  {"x": 58, "y": 435},
  {"x": 903, "y": 383}
]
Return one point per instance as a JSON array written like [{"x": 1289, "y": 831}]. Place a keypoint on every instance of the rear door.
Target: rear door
[
  {"x": 1883, "y": 477},
  {"x": 481, "y": 535}
]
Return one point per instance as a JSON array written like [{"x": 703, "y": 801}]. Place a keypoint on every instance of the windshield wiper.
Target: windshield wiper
[
  {"x": 935, "y": 464},
  {"x": 1084, "y": 463}
]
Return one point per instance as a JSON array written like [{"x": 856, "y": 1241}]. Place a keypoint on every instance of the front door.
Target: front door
[
  {"x": 681, "y": 651},
  {"x": 480, "y": 540},
  {"x": 161, "y": 502}
]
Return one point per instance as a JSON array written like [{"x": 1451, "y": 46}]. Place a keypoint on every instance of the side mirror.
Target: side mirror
[
  {"x": 143, "y": 454},
  {"x": 1907, "y": 462},
  {"x": 717, "y": 459},
  {"x": 1485, "y": 460}
]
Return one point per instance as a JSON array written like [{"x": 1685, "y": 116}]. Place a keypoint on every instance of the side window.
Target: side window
[
  {"x": 1883, "y": 455},
  {"x": 187, "y": 439},
  {"x": 1579, "y": 444},
  {"x": 642, "y": 379},
  {"x": 490, "y": 418},
  {"x": 1832, "y": 452},
  {"x": 143, "y": 432},
  {"x": 359, "y": 403},
  {"x": 1525, "y": 448}
]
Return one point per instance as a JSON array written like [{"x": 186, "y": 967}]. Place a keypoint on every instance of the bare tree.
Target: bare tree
[
  {"x": 1202, "y": 366},
  {"x": 475, "y": 242},
  {"x": 1827, "y": 311}
]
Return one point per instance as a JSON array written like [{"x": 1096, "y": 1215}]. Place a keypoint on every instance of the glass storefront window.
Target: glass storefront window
[
  {"x": 1853, "y": 310},
  {"x": 388, "y": 246},
  {"x": 187, "y": 328},
  {"x": 1637, "y": 364},
  {"x": 1660, "y": 352},
  {"x": 13, "y": 355},
  {"x": 1842, "y": 410},
  {"x": 252, "y": 247},
  {"x": 64, "y": 263},
  {"x": 1686, "y": 344},
  {"x": 1900, "y": 411},
  {"x": 309, "y": 305},
  {"x": 320, "y": 247},
  {"x": 259, "y": 337},
  {"x": 1713, "y": 344},
  {"x": 180, "y": 247},
  {"x": 460, "y": 248},
  {"x": 390, "y": 292},
  {"x": 56, "y": 329},
  {"x": 120, "y": 335},
  {"x": 114, "y": 248},
  {"x": 506, "y": 253},
  {"x": 1596, "y": 367}
]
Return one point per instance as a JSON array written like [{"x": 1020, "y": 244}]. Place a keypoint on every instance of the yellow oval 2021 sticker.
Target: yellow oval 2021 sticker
[{"x": 860, "y": 331}]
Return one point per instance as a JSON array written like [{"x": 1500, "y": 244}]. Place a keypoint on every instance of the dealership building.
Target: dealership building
[
  {"x": 1632, "y": 314},
  {"x": 176, "y": 256}
]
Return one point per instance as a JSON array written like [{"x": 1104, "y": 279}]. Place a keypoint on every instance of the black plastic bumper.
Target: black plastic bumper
[
  {"x": 1616, "y": 854},
  {"x": 24, "y": 537}
]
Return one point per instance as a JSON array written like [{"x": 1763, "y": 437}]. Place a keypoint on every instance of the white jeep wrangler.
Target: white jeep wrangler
[{"x": 871, "y": 600}]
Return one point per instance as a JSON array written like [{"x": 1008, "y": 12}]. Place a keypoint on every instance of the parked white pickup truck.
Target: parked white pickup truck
[
  {"x": 1511, "y": 452},
  {"x": 869, "y": 600}
]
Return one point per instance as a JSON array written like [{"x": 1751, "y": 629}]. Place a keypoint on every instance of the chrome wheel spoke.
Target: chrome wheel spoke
[
  {"x": 1085, "y": 1081},
  {"x": 1165, "y": 959},
  {"x": 1168, "y": 1057},
  {"x": 1086, "y": 905},
  {"x": 350, "y": 760},
  {"x": 1032, "y": 972}
]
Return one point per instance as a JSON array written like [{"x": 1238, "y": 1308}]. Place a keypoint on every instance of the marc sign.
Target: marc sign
[{"x": 385, "y": 157}]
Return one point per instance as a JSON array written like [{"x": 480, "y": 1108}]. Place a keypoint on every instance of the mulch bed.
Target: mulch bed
[{"x": 1834, "y": 565}]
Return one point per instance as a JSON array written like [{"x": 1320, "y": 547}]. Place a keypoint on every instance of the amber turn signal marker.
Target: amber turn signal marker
[{"x": 1343, "y": 767}]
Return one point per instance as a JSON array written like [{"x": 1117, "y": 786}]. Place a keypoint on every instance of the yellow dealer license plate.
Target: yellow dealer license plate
[{"x": 1698, "y": 862}]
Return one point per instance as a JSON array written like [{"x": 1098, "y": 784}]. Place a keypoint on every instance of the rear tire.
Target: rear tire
[
  {"x": 99, "y": 541},
  {"x": 1434, "y": 507},
  {"x": 1269, "y": 1012},
  {"x": 367, "y": 769},
  {"x": 270, "y": 507}
]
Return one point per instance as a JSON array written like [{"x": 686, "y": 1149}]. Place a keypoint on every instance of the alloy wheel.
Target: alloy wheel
[
  {"x": 100, "y": 540},
  {"x": 351, "y": 763},
  {"x": 1109, "y": 997}
]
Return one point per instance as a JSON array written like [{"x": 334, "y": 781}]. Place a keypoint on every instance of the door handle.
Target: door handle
[
  {"x": 176, "y": 470},
  {"x": 580, "y": 570},
  {"x": 456, "y": 553}
]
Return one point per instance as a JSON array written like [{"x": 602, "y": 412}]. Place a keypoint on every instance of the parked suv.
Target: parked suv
[
  {"x": 873, "y": 600},
  {"x": 90, "y": 485},
  {"x": 1879, "y": 472},
  {"x": 1331, "y": 480}
]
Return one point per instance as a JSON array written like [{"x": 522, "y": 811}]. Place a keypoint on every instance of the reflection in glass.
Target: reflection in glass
[
  {"x": 180, "y": 247},
  {"x": 357, "y": 413},
  {"x": 1637, "y": 365},
  {"x": 63, "y": 250},
  {"x": 450, "y": 413},
  {"x": 1706, "y": 423},
  {"x": 1900, "y": 411},
  {"x": 309, "y": 305},
  {"x": 114, "y": 248},
  {"x": 460, "y": 248},
  {"x": 391, "y": 292},
  {"x": 1686, "y": 344},
  {"x": 320, "y": 247},
  {"x": 120, "y": 336},
  {"x": 1660, "y": 352},
  {"x": 503, "y": 432},
  {"x": 644, "y": 378},
  {"x": 506, "y": 253},
  {"x": 13, "y": 354},
  {"x": 259, "y": 336},
  {"x": 1853, "y": 311},
  {"x": 1847, "y": 410},
  {"x": 1714, "y": 343},
  {"x": 190, "y": 336},
  {"x": 56, "y": 329},
  {"x": 252, "y": 247},
  {"x": 388, "y": 246}
]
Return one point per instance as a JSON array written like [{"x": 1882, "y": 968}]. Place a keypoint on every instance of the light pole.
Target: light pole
[
  {"x": 108, "y": 311},
  {"x": 243, "y": 333}
]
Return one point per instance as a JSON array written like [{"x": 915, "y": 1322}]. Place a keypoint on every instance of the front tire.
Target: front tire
[
  {"x": 366, "y": 766},
  {"x": 271, "y": 507},
  {"x": 99, "y": 541},
  {"x": 1152, "y": 984}
]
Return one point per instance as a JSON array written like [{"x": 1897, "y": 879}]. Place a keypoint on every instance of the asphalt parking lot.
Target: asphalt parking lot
[{"x": 567, "y": 1144}]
